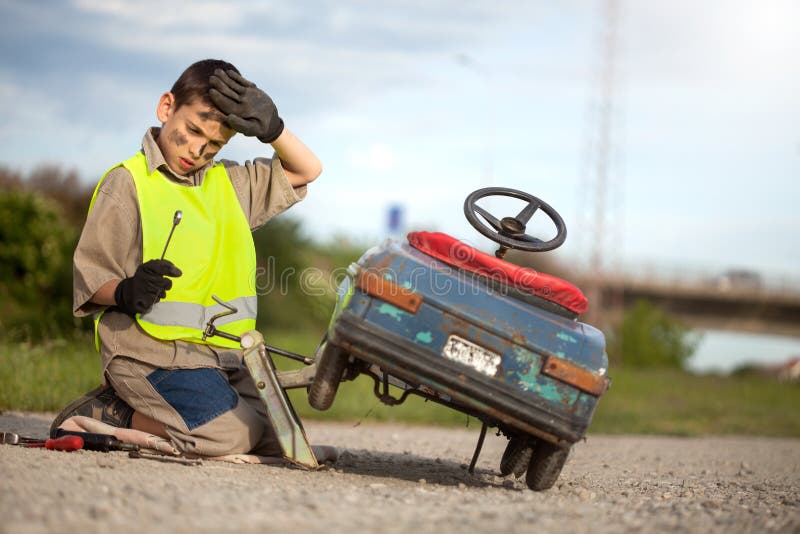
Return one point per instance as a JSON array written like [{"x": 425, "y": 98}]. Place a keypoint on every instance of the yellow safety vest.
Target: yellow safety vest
[{"x": 212, "y": 246}]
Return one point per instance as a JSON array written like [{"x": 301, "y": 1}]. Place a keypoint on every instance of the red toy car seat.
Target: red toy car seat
[{"x": 462, "y": 256}]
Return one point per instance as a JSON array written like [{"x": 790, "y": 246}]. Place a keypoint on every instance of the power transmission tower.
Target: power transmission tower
[{"x": 600, "y": 191}]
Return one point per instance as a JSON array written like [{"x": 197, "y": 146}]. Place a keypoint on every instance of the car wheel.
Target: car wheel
[
  {"x": 517, "y": 456},
  {"x": 330, "y": 369},
  {"x": 545, "y": 465}
]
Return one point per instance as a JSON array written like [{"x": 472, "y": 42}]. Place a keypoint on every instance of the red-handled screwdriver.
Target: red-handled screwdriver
[{"x": 64, "y": 443}]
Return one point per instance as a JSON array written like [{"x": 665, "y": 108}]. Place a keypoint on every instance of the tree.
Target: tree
[{"x": 649, "y": 337}]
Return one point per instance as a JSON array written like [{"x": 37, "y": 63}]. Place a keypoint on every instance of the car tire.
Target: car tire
[
  {"x": 330, "y": 369},
  {"x": 545, "y": 465},
  {"x": 517, "y": 456}
]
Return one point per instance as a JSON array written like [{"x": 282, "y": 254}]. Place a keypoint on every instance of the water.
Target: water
[{"x": 723, "y": 352}]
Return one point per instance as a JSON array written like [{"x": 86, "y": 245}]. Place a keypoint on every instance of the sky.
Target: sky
[{"x": 418, "y": 103}]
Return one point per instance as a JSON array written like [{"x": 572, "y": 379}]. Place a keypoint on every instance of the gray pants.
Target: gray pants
[{"x": 208, "y": 412}]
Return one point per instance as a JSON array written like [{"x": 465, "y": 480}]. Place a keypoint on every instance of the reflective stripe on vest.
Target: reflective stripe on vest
[
  {"x": 196, "y": 316},
  {"x": 212, "y": 246}
]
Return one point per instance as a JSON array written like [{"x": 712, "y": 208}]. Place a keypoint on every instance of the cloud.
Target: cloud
[
  {"x": 708, "y": 93},
  {"x": 152, "y": 15},
  {"x": 29, "y": 109},
  {"x": 377, "y": 157},
  {"x": 42, "y": 126},
  {"x": 328, "y": 53},
  {"x": 685, "y": 42}
]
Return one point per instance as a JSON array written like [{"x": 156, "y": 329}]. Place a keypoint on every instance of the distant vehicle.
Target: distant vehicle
[{"x": 739, "y": 279}]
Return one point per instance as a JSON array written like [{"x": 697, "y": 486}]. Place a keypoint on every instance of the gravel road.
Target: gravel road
[{"x": 396, "y": 478}]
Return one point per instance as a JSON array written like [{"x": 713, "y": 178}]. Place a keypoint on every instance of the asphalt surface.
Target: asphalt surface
[{"x": 394, "y": 478}]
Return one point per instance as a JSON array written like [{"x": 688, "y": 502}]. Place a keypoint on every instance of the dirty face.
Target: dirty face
[{"x": 191, "y": 135}]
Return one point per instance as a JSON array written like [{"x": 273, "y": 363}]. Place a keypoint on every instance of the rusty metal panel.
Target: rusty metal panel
[
  {"x": 575, "y": 376},
  {"x": 372, "y": 283},
  {"x": 495, "y": 311}
]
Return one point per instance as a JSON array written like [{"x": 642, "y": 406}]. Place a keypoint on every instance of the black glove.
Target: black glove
[
  {"x": 147, "y": 286},
  {"x": 248, "y": 109}
]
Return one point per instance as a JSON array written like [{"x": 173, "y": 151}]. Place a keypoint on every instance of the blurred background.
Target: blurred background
[{"x": 665, "y": 133}]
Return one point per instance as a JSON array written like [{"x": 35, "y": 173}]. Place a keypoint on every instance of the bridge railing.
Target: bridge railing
[{"x": 693, "y": 278}]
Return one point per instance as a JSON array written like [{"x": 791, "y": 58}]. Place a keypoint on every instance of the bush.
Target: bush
[
  {"x": 296, "y": 278},
  {"x": 41, "y": 216},
  {"x": 36, "y": 246},
  {"x": 649, "y": 337}
]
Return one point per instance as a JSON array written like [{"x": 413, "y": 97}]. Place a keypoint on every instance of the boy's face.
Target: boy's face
[{"x": 191, "y": 135}]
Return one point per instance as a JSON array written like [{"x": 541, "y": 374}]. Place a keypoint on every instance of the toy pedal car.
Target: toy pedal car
[{"x": 440, "y": 319}]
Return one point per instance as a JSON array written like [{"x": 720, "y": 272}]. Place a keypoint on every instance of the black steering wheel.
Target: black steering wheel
[{"x": 509, "y": 232}]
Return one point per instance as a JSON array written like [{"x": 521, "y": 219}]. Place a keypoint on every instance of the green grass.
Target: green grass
[
  {"x": 671, "y": 402},
  {"x": 45, "y": 377}
]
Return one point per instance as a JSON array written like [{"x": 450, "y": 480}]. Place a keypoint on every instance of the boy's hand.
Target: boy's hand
[
  {"x": 147, "y": 286},
  {"x": 249, "y": 110}
]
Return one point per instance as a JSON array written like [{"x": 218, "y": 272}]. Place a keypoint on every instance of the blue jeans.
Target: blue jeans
[
  {"x": 205, "y": 411},
  {"x": 198, "y": 395}
]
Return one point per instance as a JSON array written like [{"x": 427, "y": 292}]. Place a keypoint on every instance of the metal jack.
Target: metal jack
[{"x": 280, "y": 412}]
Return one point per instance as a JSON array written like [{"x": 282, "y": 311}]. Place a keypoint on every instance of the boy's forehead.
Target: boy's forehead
[
  {"x": 211, "y": 114},
  {"x": 209, "y": 117}
]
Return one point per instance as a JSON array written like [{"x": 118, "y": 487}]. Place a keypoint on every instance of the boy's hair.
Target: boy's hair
[{"x": 193, "y": 83}]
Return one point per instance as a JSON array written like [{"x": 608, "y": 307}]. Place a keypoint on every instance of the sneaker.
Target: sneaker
[{"x": 102, "y": 404}]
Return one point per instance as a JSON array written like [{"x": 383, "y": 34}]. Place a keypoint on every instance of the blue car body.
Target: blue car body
[{"x": 471, "y": 343}]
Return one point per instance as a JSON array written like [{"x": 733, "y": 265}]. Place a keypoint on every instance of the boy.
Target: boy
[{"x": 159, "y": 376}]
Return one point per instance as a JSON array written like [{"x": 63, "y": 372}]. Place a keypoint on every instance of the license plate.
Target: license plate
[{"x": 468, "y": 353}]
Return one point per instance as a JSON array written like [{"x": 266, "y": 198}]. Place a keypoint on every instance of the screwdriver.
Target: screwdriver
[
  {"x": 64, "y": 443},
  {"x": 98, "y": 442}
]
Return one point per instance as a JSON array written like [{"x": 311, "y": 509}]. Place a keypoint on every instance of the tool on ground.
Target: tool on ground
[
  {"x": 176, "y": 220},
  {"x": 98, "y": 442},
  {"x": 64, "y": 443},
  {"x": 280, "y": 412},
  {"x": 165, "y": 458},
  {"x": 9, "y": 438}
]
